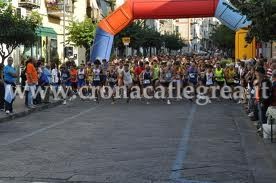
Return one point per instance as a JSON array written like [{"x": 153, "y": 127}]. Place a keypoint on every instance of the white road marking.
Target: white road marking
[{"x": 50, "y": 126}]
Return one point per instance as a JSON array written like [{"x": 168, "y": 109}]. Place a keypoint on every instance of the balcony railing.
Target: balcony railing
[
  {"x": 56, "y": 8},
  {"x": 29, "y": 4}
]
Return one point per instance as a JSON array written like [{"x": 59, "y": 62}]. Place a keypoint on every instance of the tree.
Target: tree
[
  {"x": 111, "y": 4},
  {"x": 16, "y": 30},
  {"x": 262, "y": 13},
  {"x": 173, "y": 41},
  {"x": 136, "y": 32},
  {"x": 82, "y": 34},
  {"x": 223, "y": 38},
  {"x": 146, "y": 37}
]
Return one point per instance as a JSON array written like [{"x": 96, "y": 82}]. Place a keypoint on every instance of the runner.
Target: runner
[
  {"x": 137, "y": 72},
  {"x": 193, "y": 77},
  {"x": 166, "y": 77},
  {"x": 119, "y": 71},
  {"x": 146, "y": 79},
  {"x": 112, "y": 80},
  {"x": 127, "y": 80},
  {"x": 229, "y": 74},
  {"x": 65, "y": 81},
  {"x": 219, "y": 77},
  {"x": 155, "y": 73},
  {"x": 74, "y": 79},
  {"x": 104, "y": 68},
  {"x": 89, "y": 77},
  {"x": 209, "y": 81},
  {"x": 81, "y": 76},
  {"x": 97, "y": 79}
]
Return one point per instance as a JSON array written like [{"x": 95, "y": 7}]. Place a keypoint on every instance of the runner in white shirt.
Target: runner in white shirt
[
  {"x": 209, "y": 81},
  {"x": 127, "y": 80},
  {"x": 55, "y": 78}
]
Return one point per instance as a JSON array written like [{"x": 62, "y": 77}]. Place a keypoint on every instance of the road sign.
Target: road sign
[{"x": 126, "y": 40}]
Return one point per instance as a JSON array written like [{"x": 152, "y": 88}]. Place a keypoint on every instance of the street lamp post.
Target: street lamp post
[{"x": 64, "y": 14}]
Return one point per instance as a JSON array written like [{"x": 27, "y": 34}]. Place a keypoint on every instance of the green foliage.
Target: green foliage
[
  {"x": 16, "y": 30},
  {"x": 223, "y": 37},
  {"x": 111, "y": 4},
  {"x": 82, "y": 33},
  {"x": 173, "y": 41},
  {"x": 145, "y": 37},
  {"x": 262, "y": 13}
]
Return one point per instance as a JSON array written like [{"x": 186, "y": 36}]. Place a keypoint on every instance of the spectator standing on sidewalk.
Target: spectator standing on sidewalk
[
  {"x": 32, "y": 81},
  {"x": 273, "y": 91},
  {"x": 10, "y": 76},
  {"x": 24, "y": 85},
  {"x": 263, "y": 93},
  {"x": 55, "y": 77},
  {"x": 2, "y": 88},
  {"x": 37, "y": 100},
  {"x": 271, "y": 65},
  {"x": 44, "y": 82}
]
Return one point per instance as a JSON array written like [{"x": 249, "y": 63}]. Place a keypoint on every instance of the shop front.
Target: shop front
[{"x": 46, "y": 46}]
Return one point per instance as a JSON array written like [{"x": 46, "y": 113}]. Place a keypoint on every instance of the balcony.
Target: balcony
[
  {"x": 55, "y": 8},
  {"x": 29, "y": 4}
]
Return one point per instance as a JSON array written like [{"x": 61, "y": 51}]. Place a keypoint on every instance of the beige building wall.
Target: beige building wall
[
  {"x": 184, "y": 28},
  {"x": 80, "y": 15}
]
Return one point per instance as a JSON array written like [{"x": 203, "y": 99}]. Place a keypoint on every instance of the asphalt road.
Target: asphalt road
[{"x": 135, "y": 143}]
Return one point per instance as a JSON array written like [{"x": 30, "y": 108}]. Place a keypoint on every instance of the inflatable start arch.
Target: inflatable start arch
[{"x": 161, "y": 9}]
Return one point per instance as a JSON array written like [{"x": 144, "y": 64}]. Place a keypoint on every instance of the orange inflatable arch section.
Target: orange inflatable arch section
[{"x": 160, "y": 9}]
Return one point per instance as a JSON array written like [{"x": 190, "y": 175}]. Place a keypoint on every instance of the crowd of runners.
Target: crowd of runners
[{"x": 152, "y": 72}]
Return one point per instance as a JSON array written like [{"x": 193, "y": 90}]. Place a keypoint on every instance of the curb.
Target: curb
[{"x": 30, "y": 111}]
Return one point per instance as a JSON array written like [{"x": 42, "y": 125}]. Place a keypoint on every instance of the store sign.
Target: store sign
[{"x": 126, "y": 40}]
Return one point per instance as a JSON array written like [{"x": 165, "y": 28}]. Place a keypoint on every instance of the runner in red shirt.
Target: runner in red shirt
[{"x": 138, "y": 70}]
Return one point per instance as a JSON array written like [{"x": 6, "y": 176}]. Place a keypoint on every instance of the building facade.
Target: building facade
[
  {"x": 52, "y": 45},
  {"x": 201, "y": 29}
]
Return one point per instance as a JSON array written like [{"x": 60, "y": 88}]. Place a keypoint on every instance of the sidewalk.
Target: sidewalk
[
  {"x": 248, "y": 127},
  {"x": 21, "y": 110}
]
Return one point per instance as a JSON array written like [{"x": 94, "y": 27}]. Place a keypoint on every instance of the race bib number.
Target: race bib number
[
  {"x": 192, "y": 75},
  {"x": 147, "y": 81},
  {"x": 97, "y": 78},
  {"x": 64, "y": 75},
  {"x": 81, "y": 76},
  {"x": 112, "y": 80},
  {"x": 252, "y": 92}
]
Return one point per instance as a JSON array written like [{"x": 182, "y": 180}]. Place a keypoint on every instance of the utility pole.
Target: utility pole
[{"x": 64, "y": 15}]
